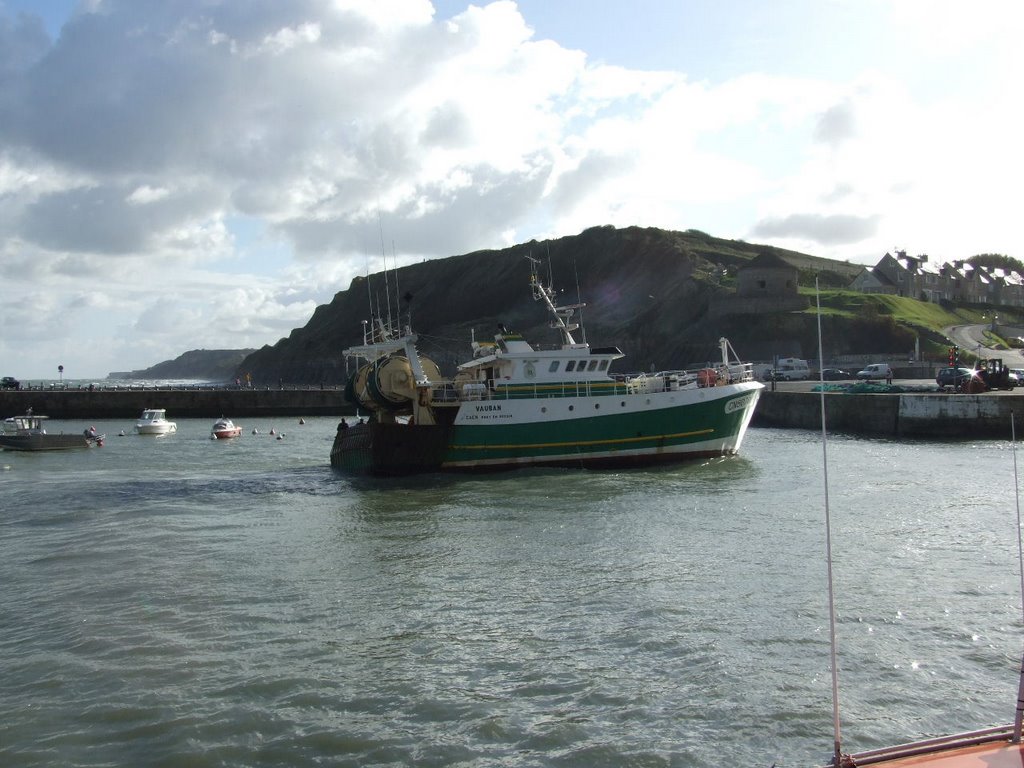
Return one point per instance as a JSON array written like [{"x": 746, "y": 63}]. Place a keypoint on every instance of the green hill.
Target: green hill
[{"x": 647, "y": 291}]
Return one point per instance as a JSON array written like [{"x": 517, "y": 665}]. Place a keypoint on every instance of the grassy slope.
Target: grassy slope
[{"x": 923, "y": 318}]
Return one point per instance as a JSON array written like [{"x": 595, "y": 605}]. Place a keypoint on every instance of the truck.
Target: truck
[{"x": 993, "y": 374}]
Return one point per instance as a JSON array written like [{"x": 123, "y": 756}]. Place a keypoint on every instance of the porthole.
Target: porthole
[
  {"x": 623, "y": 403},
  {"x": 596, "y": 406},
  {"x": 572, "y": 407},
  {"x": 544, "y": 409}
]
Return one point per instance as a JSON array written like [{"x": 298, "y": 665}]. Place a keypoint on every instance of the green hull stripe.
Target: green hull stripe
[
  {"x": 671, "y": 429},
  {"x": 580, "y": 443}
]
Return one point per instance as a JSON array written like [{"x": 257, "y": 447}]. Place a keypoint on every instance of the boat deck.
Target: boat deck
[{"x": 990, "y": 748}]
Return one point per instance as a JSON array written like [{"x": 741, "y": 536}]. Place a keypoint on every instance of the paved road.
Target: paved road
[
  {"x": 967, "y": 337},
  {"x": 972, "y": 338}
]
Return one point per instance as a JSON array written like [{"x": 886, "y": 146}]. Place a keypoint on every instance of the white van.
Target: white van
[
  {"x": 875, "y": 371},
  {"x": 791, "y": 369}
]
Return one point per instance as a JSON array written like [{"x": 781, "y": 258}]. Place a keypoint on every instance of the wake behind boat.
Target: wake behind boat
[
  {"x": 29, "y": 433},
  {"x": 515, "y": 405}
]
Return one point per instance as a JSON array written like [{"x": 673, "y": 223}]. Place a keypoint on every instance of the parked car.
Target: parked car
[
  {"x": 835, "y": 374},
  {"x": 953, "y": 377},
  {"x": 9, "y": 382},
  {"x": 875, "y": 371}
]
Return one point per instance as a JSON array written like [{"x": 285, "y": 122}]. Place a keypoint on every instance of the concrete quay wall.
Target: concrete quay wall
[
  {"x": 924, "y": 415},
  {"x": 894, "y": 415},
  {"x": 198, "y": 403}
]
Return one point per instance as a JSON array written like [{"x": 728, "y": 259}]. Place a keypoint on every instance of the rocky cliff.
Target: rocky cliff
[
  {"x": 198, "y": 364},
  {"x": 647, "y": 291}
]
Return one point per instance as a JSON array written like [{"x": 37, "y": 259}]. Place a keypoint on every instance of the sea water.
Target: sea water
[{"x": 180, "y": 601}]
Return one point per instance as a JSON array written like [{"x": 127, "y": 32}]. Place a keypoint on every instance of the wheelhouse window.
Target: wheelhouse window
[
  {"x": 592, "y": 366},
  {"x": 554, "y": 366},
  {"x": 570, "y": 366},
  {"x": 604, "y": 365}
]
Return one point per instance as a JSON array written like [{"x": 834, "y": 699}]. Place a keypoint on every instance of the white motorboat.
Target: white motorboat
[{"x": 153, "y": 421}]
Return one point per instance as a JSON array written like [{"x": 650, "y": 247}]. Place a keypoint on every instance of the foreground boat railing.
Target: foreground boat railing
[
  {"x": 928, "y": 746},
  {"x": 998, "y": 742}
]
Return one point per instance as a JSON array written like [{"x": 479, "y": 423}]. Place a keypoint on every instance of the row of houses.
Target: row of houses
[
  {"x": 957, "y": 281},
  {"x": 769, "y": 283}
]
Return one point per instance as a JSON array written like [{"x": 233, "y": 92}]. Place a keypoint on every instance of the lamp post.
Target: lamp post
[{"x": 60, "y": 372}]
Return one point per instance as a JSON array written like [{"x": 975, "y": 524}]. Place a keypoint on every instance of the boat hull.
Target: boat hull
[
  {"x": 44, "y": 442},
  {"x": 587, "y": 432},
  {"x": 987, "y": 748},
  {"x": 224, "y": 434},
  {"x": 155, "y": 429}
]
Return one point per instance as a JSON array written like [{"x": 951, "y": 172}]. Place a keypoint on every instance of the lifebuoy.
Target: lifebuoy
[{"x": 707, "y": 377}]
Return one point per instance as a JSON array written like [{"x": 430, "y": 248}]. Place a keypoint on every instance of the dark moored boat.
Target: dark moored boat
[{"x": 27, "y": 433}]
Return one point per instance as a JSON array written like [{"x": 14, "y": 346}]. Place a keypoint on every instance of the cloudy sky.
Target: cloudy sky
[{"x": 204, "y": 173}]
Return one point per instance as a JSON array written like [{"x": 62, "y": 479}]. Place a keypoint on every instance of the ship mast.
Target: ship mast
[{"x": 561, "y": 314}]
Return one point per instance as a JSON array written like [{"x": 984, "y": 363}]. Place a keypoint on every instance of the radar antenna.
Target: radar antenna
[{"x": 562, "y": 314}]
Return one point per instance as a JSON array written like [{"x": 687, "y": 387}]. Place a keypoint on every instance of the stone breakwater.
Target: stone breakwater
[
  {"x": 926, "y": 415},
  {"x": 922, "y": 415},
  {"x": 179, "y": 403}
]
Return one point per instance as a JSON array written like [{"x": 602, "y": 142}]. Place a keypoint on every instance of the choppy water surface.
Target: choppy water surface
[{"x": 181, "y": 601}]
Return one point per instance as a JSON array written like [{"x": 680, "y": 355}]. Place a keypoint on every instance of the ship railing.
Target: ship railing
[
  {"x": 502, "y": 390},
  {"x": 641, "y": 383},
  {"x": 444, "y": 393},
  {"x": 736, "y": 371},
  {"x": 713, "y": 375}
]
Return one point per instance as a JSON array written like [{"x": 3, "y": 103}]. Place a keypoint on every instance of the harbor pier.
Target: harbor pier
[
  {"x": 897, "y": 414},
  {"x": 913, "y": 414},
  {"x": 179, "y": 403}
]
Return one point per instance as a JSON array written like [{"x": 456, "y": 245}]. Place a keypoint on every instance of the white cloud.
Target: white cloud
[
  {"x": 132, "y": 144},
  {"x": 146, "y": 194}
]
